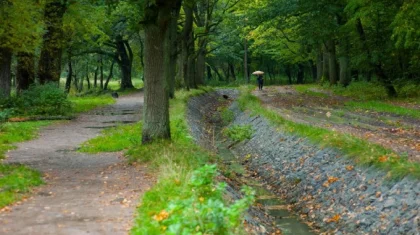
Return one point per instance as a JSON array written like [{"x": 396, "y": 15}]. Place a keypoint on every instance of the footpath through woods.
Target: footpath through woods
[{"x": 84, "y": 193}]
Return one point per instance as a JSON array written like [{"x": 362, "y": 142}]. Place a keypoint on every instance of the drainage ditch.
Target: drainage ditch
[{"x": 301, "y": 184}]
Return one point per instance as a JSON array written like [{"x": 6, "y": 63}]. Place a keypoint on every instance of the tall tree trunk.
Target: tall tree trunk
[
  {"x": 379, "y": 71},
  {"x": 319, "y": 66},
  {"x": 87, "y": 75},
  {"x": 69, "y": 76},
  {"x": 246, "y": 75},
  {"x": 188, "y": 46},
  {"x": 209, "y": 75},
  {"x": 289, "y": 73},
  {"x": 156, "y": 95},
  {"x": 332, "y": 62},
  {"x": 232, "y": 71},
  {"x": 25, "y": 71},
  {"x": 125, "y": 62},
  {"x": 49, "y": 68},
  {"x": 111, "y": 72},
  {"x": 345, "y": 75},
  {"x": 301, "y": 74},
  {"x": 141, "y": 55},
  {"x": 5, "y": 72},
  {"x": 325, "y": 65},
  {"x": 101, "y": 75},
  {"x": 171, "y": 46},
  {"x": 95, "y": 78},
  {"x": 201, "y": 65}
]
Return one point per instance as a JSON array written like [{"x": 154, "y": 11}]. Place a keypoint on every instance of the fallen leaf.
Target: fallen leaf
[{"x": 334, "y": 219}]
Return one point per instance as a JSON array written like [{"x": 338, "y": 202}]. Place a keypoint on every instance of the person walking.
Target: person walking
[{"x": 260, "y": 80}]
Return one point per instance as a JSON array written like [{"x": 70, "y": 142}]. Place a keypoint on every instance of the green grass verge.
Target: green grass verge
[
  {"x": 362, "y": 151},
  {"x": 114, "y": 139},
  {"x": 86, "y": 103},
  {"x": 16, "y": 180},
  {"x": 379, "y": 106},
  {"x": 13, "y": 132}
]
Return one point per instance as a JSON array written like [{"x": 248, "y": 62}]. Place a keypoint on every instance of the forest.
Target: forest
[{"x": 343, "y": 74}]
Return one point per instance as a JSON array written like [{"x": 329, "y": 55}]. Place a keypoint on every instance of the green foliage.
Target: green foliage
[
  {"x": 239, "y": 133},
  {"x": 24, "y": 28},
  {"x": 45, "y": 99},
  {"x": 15, "y": 181},
  {"x": 362, "y": 91},
  {"x": 363, "y": 152},
  {"x": 227, "y": 115},
  {"x": 201, "y": 209}
]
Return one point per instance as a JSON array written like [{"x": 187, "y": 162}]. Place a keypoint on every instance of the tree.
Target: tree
[
  {"x": 156, "y": 90},
  {"x": 49, "y": 68},
  {"x": 20, "y": 34}
]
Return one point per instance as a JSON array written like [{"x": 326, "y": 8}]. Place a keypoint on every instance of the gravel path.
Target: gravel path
[{"x": 84, "y": 194}]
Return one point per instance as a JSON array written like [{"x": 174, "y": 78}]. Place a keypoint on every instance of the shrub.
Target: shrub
[
  {"x": 239, "y": 133},
  {"x": 227, "y": 115},
  {"x": 204, "y": 211},
  {"x": 46, "y": 99}
]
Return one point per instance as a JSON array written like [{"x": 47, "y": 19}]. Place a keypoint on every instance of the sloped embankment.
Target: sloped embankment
[{"x": 323, "y": 185}]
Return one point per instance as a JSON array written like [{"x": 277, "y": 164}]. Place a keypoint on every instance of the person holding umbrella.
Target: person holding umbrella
[{"x": 260, "y": 79}]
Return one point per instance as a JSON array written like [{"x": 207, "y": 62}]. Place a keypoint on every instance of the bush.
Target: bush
[
  {"x": 204, "y": 212},
  {"x": 239, "y": 133},
  {"x": 46, "y": 99}
]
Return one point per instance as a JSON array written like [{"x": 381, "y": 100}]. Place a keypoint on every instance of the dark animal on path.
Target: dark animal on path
[
  {"x": 114, "y": 95},
  {"x": 226, "y": 97}
]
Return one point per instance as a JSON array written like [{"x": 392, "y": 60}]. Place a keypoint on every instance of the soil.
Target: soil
[
  {"x": 84, "y": 193},
  {"x": 400, "y": 133}
]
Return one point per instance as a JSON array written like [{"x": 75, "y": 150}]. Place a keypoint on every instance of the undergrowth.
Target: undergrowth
[
  {"x": 238, "y": 133},
  {"x": 362, "y": 151}
]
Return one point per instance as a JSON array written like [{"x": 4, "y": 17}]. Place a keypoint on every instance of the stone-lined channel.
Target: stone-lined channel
[{"x": 326, "y": 189}]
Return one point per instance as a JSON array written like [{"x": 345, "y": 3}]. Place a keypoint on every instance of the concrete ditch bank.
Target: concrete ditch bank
[{"x": 324, "y": 187}]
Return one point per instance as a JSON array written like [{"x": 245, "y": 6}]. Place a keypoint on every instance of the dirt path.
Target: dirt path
[
  {"x": 401, "y": 134},
  {"x": 84, "y": 194}
]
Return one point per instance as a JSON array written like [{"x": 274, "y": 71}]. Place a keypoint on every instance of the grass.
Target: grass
[
  {"x": 86, "y": 103},
  {"x": 13, "y": 132},
  {"x": 16, "y": 180},
  {"x": 363, "y": 152},
  {"x": 307, "y": 89},
  {"x": 379, "y": 106},
  {"x": 114, "y": 139},
  {"x": 239, "y": 133}
]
